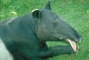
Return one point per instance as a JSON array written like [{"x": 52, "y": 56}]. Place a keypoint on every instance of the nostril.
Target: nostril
[
  {"x": 77, "y": 41},
  {"x": 79, "y": 38}
]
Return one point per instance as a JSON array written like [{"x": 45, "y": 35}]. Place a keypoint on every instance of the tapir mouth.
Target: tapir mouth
[{"x": 73, "y": 44}]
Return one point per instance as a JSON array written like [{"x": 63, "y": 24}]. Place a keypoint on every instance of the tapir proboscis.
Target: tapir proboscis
[{"x": 24, "y": 37}]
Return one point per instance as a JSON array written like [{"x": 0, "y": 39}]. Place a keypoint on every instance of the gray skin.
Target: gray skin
[{"x": 25, "y": 37}]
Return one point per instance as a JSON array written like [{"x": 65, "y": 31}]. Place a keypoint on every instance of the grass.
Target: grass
[{"x": 74, "y": 12}]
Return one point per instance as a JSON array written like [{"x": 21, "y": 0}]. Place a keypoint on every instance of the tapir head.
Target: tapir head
[{"x": 51, "y": 27}]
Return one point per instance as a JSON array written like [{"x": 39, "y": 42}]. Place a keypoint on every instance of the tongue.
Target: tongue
[{"x": 73, "y": 44}]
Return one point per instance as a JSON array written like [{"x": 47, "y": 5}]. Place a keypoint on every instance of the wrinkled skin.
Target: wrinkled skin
[{"x": 25, "y": 37}]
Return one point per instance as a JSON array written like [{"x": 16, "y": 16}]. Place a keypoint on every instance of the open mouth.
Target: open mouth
[{"x": 73, "y": 44}]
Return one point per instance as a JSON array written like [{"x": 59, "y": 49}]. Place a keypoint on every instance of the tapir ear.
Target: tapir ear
[
  {"x": 36, "y": 13},
  {"x": 47, "y": 6}
]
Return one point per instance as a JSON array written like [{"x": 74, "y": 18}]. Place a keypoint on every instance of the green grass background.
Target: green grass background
[{"x": 74, "y": 12}]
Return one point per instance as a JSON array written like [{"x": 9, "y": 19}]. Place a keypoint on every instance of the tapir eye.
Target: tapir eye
[{"x": 55, "y": 24}]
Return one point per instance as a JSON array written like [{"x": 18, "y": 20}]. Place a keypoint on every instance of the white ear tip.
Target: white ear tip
[{"x": 34, "y": 10}]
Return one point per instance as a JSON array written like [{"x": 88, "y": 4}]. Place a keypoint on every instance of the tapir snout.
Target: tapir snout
[{"x": 52, "y": 25}]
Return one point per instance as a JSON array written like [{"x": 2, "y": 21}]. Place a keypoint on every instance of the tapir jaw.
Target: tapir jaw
[{"x": 73, "y": 44}]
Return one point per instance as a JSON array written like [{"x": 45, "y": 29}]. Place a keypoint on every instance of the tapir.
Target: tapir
[{"x": 25, "y": 37}]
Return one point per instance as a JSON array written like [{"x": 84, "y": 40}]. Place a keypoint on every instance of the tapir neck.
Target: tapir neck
[{"x": 31, "y": 22}]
